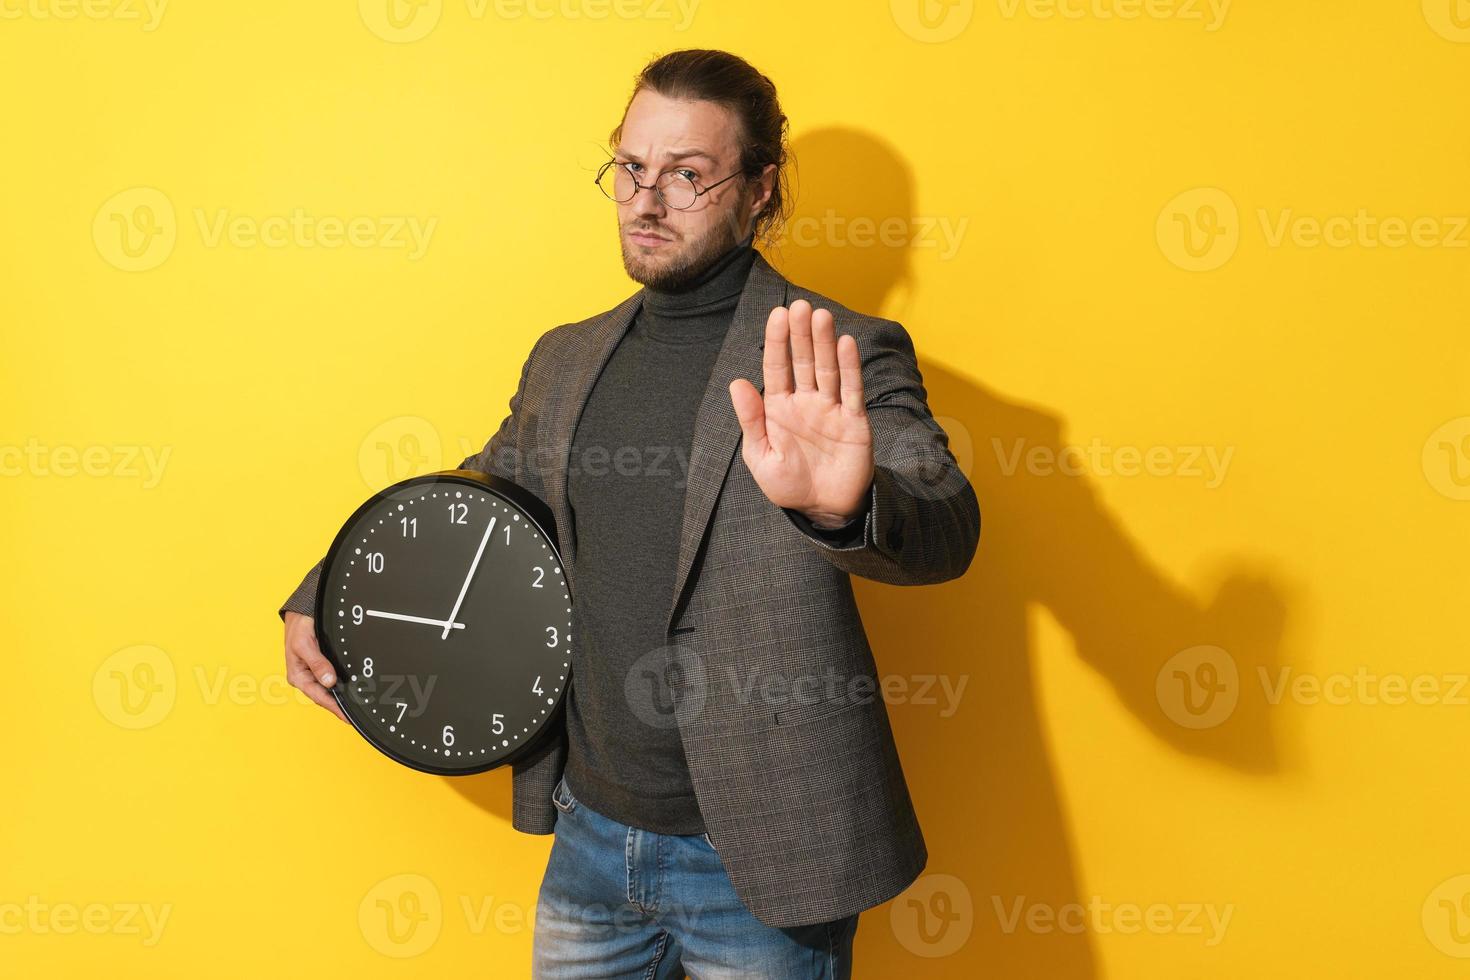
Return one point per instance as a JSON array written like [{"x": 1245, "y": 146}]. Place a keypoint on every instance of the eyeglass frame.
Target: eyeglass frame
[{"x": 658, "y": 192}]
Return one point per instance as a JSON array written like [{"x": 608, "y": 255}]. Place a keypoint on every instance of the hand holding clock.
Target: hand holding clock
[
  {"x": 807, "y": 441},
  {"x": 306, "y": 669}
]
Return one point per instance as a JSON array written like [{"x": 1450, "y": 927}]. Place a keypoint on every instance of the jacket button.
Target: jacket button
[{"x": 895, "y": 535}]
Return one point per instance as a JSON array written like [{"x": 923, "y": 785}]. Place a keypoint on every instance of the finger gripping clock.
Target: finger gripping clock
[{"x": 444, "y": 612}]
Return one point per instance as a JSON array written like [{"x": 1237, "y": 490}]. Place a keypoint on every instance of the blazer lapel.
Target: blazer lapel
[
  {"x": 588, "y": 352},
  {"x": 716, "y": 429}
]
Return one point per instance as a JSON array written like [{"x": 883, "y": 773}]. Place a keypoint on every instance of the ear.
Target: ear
[{"x": 765, "y": 186}]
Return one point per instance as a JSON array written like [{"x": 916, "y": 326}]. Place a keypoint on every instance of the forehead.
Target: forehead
[{"x": 656, "y": 126}]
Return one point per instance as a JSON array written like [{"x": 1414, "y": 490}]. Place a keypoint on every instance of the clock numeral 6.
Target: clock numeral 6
[{"x": 448, "y": 735}]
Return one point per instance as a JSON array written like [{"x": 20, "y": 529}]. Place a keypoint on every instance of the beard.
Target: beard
[{"x": 674, "y": 266}]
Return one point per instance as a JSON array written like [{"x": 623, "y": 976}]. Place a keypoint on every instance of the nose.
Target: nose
[{"x": 645, "y": 203}]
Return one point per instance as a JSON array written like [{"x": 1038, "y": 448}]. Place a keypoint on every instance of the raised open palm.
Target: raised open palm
[{"x": 806, "y": 438}]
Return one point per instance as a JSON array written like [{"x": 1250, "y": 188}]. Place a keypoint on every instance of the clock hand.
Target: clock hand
[
  {"x": 466, "y": 587},
  {"x": 414, "y": 619}
]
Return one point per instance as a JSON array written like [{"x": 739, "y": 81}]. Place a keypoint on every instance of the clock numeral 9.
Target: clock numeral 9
[
  {"x": 448, "y": 735},
  {"x": 356, "y": 615},
  {"x": 375, "y": 562},
  {"x": 458, "y": 513}
]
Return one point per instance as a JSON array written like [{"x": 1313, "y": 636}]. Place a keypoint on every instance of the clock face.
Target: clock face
[{"x": 443, "y": 610}]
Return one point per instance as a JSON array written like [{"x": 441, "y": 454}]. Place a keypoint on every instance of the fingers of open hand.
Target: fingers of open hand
[
  {"x": 803, "y": 353},
  {"x": 851, "y": 367},
  {"x": 824, "y": 353},
  {"x": 803, "y": 359},
  {"x": 776, "y": 361},
  {"x": 751, "y": 414}
]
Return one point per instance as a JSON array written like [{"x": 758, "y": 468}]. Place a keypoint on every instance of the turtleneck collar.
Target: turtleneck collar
[{"x": 693, "y": 313}]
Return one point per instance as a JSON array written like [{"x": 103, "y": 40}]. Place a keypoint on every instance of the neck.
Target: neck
[{"x": 718, "y": 284}]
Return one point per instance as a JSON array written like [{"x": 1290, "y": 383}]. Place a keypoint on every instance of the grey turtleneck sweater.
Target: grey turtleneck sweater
[{"x": 626, "y": 486}]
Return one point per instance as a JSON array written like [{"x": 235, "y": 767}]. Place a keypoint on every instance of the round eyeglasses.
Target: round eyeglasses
[{"x": 673, "y": 188}]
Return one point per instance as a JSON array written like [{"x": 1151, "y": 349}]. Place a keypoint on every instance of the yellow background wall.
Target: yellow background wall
[{"x": 1188, "y": 284}]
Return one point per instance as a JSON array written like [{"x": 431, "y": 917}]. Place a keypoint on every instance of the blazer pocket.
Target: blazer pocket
[{"x": 816, "y": 710}]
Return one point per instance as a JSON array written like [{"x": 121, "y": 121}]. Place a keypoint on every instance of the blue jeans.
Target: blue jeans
[{"x": 622, "y": 902}]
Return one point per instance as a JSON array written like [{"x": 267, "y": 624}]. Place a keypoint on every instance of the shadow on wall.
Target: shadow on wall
[{"x": 982, "y": 779}]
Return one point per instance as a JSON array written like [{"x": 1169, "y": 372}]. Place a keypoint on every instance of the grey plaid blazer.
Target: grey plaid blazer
[{"x": 784, "y": 726}]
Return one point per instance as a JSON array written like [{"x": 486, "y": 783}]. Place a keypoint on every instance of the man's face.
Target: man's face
[{"x": 664, "y": 248}]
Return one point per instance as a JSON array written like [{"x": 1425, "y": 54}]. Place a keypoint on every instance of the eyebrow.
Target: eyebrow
[{"x": 675, "y": 155}]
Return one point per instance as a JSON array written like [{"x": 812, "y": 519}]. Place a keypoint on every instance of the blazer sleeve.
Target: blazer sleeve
[
  {"x": 921, "y": 523},
  {"x": 499, "y": 457}
]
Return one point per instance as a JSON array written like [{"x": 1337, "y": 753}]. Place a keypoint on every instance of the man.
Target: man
[{"x": 726, "y": 794}]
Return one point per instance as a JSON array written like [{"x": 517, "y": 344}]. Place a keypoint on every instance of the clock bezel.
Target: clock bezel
[{"x": 538, "y": 513}]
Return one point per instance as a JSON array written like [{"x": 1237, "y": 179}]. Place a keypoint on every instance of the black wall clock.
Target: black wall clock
[{"x": 444, "y": 612}]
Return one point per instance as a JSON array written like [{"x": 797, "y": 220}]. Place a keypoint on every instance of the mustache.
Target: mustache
[{"x": 660, "y": 232}]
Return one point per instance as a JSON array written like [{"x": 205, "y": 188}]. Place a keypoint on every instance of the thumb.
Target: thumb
[{"x": 750, "y": 409}]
